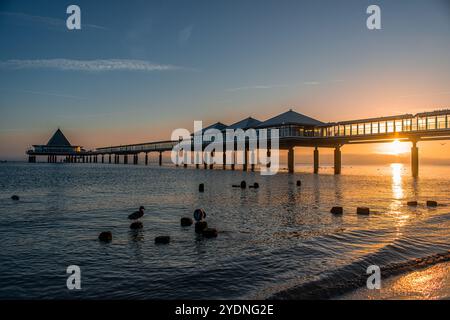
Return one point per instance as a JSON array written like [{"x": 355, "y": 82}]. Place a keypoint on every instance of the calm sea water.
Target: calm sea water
[{"x": 271, "y": 239}]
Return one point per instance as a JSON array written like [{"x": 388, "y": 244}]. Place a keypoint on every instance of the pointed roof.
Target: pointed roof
[
  {"x": 290, "y": 117},
  {"x": 245, "y": 124},
  {"x": 58, "y": 140}
]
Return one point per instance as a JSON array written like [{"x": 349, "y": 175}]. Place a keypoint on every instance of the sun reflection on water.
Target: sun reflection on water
[
  {"x": 398, "y": 195},
  {"x": 397, "y": 182}
]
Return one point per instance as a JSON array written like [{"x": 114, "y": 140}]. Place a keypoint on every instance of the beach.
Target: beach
[{"x": 431, "y": 283}]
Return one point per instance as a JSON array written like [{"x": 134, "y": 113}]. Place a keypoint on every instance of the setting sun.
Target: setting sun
[{"x": 395, "y": 148}]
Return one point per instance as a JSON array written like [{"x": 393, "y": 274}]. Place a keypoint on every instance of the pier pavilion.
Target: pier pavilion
[
  {"x": 298, "y": 130},
  {"x": 57, "y": 146}
]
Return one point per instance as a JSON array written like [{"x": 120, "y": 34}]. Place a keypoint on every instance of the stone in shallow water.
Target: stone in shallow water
[
  {"x": 299, "y": 183},
  {"x": 200, "y": 226},
  {"x": 431, "y": 203},
  {"x": 363, "y": 210},
  {"x": 162, "y": 240},
  {"x": 15, "y": 198},
  {"x": 337, "y": 210},
  {"x": 186, "y": 222},
  {"x": 412, "y": 203},
  {"x": 209, "y": 233},
  {"x": 105, "y": 236},
  {"x": 136, "y": 225},
  {"x": 201, "y": 187}
]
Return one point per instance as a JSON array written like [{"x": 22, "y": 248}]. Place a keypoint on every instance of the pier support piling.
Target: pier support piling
[
  {"x": 160, "y": 158},
  {"x": 125, "y": 159},
  {"x": 146, "y": 159},
  {"x": 245, "y": 166},
  {"x": 337, "y": 160},
  {"x": 291, "y": 159},
  {"x": 316, "y": 160},
  {"x": 414, "y": 159}
]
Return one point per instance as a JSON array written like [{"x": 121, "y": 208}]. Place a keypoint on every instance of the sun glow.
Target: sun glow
[{"x": 395, "y": 148}]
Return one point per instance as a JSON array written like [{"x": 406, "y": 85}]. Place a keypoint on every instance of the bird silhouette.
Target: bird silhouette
[{"x": 137, "y": 214}]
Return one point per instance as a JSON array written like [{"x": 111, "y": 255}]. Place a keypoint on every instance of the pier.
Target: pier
[{"x": 295, "y": 130}]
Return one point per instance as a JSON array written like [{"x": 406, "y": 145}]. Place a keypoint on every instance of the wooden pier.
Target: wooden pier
[{"x": 295, "y": 130}]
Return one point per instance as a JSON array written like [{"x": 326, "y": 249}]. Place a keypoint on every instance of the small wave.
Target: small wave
[{"x": 346, "y": 279}]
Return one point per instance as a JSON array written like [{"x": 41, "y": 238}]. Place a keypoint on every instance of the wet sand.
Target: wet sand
[{"x": 431, "y": 283}]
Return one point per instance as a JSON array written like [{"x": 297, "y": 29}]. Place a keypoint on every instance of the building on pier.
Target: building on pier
[{"x": 57, "y": 146}]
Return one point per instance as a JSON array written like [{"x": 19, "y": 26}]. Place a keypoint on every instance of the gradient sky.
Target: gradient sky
[{"x": 213, "y": 60}]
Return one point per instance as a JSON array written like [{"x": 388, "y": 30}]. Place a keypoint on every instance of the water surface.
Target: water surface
[{"x": 271, "y": 239}]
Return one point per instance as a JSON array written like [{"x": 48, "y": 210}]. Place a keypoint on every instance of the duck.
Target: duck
[{"x": 138, "y": 214}]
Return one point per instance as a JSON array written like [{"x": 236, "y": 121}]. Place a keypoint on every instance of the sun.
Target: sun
[{"x": 395, "y": 148}]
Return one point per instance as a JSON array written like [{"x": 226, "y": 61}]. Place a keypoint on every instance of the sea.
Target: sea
[{"x": 278, "y": 241}]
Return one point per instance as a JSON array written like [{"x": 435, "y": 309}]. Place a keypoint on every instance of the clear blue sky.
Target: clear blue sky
[{"x": 212, "y": 60}]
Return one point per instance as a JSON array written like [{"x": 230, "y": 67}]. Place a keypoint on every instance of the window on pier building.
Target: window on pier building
[
  {"x": 342, "y": 130},
  {"x": 390, "y": 126},
  {"x": 361, "y": 128},
  {"x": 354, "y": 130},
  {"x": 441, "y": 122},
  {"x": 398, "y": 125},
  {"x": 422, "y": 124},
  {"x": 348, "y": 129},
  {"x": 375, "y": 127},
  {"x": 407, "y": 125},
  {"x": 431, "y": 123},
  {"x": 383, "y": 127},
  {"x": 367, "y": 128}
]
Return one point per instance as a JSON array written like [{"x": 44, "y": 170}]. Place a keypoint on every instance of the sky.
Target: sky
[{"x": 139, "y": 69}]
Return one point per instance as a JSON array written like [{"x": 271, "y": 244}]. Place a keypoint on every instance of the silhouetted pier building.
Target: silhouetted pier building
[
  {"x": 58, "y": 147},
  {"x": 295, "y": 130}
]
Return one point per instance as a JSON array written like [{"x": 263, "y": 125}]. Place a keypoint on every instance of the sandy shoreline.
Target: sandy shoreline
[{"x": 431, "y": 283}]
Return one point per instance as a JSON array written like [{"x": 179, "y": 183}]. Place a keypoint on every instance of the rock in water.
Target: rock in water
[
  {"x": 15, "y": 198},
  {"x": 363, "y": 210},
  {"x": 136, "y": 225},
  {"x": 432, "y": 203},
  {"x": 105, "y": 236},
  {"x": 209, "y": 233},
  {"x": 162, "y": 240},
  {"x": 243, "y": 184},
  {"x": 412, "y": 203},
  {"x": 201, "y": 187},
  {"x": 255, "y": 185},
  {"x": 199, "y": 214},
  {"x": 186, "y": 222},
  {"x": 337, "y": 210},
  {"x": 200, "y": 226},
  {"x": 299, "y": 183}
]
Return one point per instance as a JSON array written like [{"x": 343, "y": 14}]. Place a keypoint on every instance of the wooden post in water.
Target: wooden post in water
[
  {"x": 245, "y": 166},
  {"x": 125, "y": 159},
  {"x": 337, "y": 160},
  {"x": 160, "y": 158},
  {"x": 291, "y": 159},
  {"x": 224, "y": 159},
  {"x": 146, "y": 158},
  {"x": 211, "y": 157},
  {"x": 316, "y": 160},
  {"x": 414, "y": 159}
]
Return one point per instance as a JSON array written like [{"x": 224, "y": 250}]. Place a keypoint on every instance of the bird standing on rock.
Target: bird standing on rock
[{"x": 138, "y": 214}]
